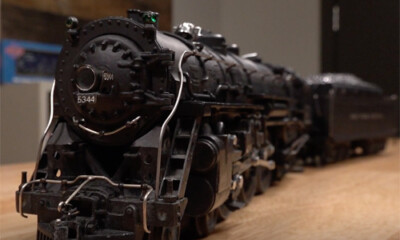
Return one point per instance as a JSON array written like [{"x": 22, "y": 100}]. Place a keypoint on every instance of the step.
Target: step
[{"x": 179, "y": 156}]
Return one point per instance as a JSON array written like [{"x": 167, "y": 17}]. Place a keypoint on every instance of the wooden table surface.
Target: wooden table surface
[{"x": 352, "y": 199}]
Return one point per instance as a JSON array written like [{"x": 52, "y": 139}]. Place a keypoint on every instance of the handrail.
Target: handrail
[{"x": 164, "y": 125}]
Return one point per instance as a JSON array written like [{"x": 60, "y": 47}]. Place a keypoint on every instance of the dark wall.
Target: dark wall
[
  {"x": 44, "y": 20},
  {"x": 362, "y": 37},
  {"x": 24, "y": 24}
]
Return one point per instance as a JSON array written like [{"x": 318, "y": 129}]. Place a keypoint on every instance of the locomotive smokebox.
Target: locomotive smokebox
[{"x": 108, "y": 84}]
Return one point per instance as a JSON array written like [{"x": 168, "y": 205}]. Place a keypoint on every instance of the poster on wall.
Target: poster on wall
[{"x": 24, "y": 62}]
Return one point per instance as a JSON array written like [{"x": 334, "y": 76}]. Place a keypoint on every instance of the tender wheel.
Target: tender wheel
[
  {"x": 166, "y": 233},
  {"x": 264, "y": 179},
  {"x": 318, "y": 161},
  {"x": 206, "y": 224}
]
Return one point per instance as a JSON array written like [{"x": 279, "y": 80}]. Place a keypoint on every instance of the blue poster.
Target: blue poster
[{"x": 23, "y": 61}]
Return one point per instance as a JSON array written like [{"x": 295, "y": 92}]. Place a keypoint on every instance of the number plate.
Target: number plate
[{"x": 82, "y": 99}]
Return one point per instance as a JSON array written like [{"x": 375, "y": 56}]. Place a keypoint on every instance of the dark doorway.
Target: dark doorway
[{"x": 362, "y": 37}]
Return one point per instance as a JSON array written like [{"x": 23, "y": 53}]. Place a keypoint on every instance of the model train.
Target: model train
[{"x": 155, "y": 133}]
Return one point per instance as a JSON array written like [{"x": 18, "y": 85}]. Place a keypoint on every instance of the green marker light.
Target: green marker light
[{"x": 148, "y": 17}]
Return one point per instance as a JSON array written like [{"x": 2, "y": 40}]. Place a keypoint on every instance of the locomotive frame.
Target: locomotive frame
[{"x": 154, "y": 132}]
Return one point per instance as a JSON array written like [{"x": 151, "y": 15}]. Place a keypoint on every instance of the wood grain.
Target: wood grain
[{"x": 352, "y": 199}]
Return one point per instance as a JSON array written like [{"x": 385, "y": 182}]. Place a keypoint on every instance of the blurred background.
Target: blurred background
[{"x": 309, "y": 36}]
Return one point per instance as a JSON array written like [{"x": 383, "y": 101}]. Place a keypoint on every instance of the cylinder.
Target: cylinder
[
  {"x": 201, "y": 196},
  {"x": 206, "y": 153}
]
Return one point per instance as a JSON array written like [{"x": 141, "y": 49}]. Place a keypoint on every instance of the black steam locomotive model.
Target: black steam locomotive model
[{"x": 153, "y": 134}]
